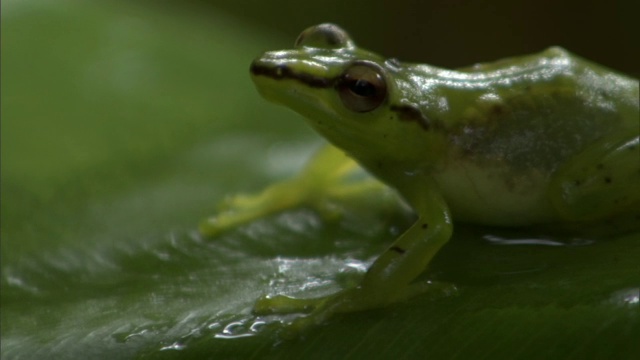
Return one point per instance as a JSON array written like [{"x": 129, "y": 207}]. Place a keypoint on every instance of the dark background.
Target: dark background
[{"x": 453, "y": 33}]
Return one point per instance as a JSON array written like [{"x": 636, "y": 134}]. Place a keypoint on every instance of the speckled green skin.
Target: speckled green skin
[{"x": 497, "y": 133}]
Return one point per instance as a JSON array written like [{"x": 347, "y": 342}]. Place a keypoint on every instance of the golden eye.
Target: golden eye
[{"x": 362, "y": 87}]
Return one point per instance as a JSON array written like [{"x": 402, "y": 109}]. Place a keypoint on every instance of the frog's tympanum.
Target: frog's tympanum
[{"x": 548, "y": 138}]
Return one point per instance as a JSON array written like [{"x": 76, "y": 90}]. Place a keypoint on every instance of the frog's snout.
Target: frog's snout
[{"x": 278, "y": 71}]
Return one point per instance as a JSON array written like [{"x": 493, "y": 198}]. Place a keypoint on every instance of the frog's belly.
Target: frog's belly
[{"x": 496, "y": 196}]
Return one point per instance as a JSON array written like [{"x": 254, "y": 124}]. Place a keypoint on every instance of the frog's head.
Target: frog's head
[{"x": 353, "y": 97}]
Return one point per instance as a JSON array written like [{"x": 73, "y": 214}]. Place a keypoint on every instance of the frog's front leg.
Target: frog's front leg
[
  {"x": 390, "y": 277},
  {"x": 325, "y": 178}
]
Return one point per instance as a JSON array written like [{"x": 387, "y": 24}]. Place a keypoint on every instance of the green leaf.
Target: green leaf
[{"x": 124, "y": 125}]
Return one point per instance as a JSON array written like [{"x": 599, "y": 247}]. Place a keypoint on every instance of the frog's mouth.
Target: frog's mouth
[{"x": 300, "y": 91}]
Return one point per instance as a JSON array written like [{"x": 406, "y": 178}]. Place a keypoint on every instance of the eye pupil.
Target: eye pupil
[{"x": 362, "y": 87}]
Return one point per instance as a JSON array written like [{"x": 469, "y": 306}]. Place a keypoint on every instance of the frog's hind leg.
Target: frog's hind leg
[
  {"x": 390, "y": 278},
  {"x": 326, "y": 177},
  {"x": 602, "y": 182}
]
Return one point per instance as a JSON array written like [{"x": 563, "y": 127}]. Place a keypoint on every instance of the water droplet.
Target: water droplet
[
  {"x": 174, "y": 346},
  {"x": 498, "y": 240},
  {"x": 257, "y": 326},
  {"x": 630, "y": 296},
  {"x": 234, "y": 330}
]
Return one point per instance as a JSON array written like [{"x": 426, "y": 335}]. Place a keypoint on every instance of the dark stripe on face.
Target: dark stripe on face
[
  {"x": 284, "y": 72},
  {"x": 410, "y": 113},
  {"x": 405, "y": 112}
]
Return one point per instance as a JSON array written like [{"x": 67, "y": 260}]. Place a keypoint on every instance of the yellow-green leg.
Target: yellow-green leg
[
  {"x": 326, "y": 177},
  {"x": 390, "y": 277}
]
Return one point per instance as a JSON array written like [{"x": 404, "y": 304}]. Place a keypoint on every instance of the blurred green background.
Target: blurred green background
[{"x": 125, "y": 123}]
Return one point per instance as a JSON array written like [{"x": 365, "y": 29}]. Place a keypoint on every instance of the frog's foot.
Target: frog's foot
[
  {"x": 282, "y": 304},
  {"x": 241, "y": 209},
  {"x": 325, "y": 182},
  {"x": 321, "y": 309}
]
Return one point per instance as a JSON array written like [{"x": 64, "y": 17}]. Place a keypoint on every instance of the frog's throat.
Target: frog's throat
[{"x": 405, "y": 112}]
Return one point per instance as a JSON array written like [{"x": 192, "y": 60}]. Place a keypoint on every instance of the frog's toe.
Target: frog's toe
[
  {"x": 225, "y": 221},
  {"x": 237, "y": 202},
  {"x": 211, "y": 227}
]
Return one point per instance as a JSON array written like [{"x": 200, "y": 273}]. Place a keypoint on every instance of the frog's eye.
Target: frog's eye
[
  {"x": 362, "y": 87},
  {"x": 324, "y": 36}
]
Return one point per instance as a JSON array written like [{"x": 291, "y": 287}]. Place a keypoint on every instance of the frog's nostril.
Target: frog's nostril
[
  {"x": 261, "y": 68},
  {"x": 280, "y": 71}
]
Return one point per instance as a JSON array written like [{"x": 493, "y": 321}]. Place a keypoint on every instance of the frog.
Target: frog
[{"x": 542, "y": 139}]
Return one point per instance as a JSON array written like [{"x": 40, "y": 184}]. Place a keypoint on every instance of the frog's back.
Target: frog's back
[{"x": 519, "y": 121}]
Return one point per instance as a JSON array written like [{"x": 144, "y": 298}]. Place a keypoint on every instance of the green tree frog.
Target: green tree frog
[{"x": 548, "y": 138}]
